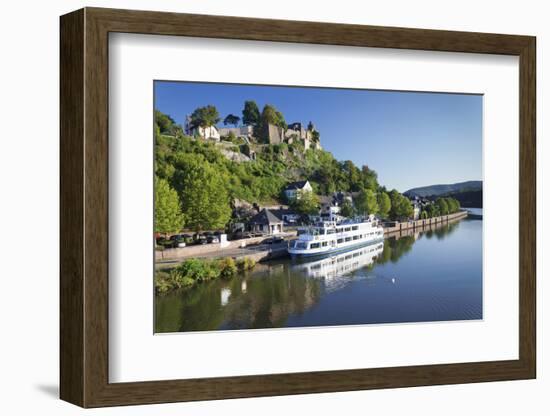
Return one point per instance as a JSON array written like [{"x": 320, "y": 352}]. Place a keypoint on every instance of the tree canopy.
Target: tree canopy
[
  {"x": 401, "y": 207},
  {"x": 168, "y": 215},
  {"x": 203, "y": 193},
  {"x": 384, "y": 204},
  {"x": 205, "y": 116},
  {"x": 305, "y": 203},
  {"x": 166, "y": 124},
  {"x": 251, "y": 113},
  {"x": 347, "y": 209},
  {"x": 366, "y": 203},
  {"x": 231, "y": 119},
  {"x": 270, "y": 115}
]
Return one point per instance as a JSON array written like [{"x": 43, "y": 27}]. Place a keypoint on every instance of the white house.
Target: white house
[
  {"x": 292, "y": 190},
  {"x": 210, "y": 132}
]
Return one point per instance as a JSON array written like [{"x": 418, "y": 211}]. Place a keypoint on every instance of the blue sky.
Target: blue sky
[{"x": 410, "y": 139}]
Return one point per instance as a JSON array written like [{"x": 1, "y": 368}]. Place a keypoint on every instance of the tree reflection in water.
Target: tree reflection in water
[{"x": 268, "y": 295}]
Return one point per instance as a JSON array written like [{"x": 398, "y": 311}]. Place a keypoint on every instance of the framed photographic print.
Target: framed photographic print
[{"x": 256, "y": 207}]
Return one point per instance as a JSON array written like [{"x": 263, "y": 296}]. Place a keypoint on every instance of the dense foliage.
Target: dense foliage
[
  {"x": 193, "y": 271},
  {"x": 168, "y": 213},
  {"x": 441, "y": 206},
  {"x": 207, "y": 182},
  {"x": 261, "y": 181}
]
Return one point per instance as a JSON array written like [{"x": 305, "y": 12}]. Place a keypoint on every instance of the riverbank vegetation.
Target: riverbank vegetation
[
  {"x": 196, "y": 271},
  {"x": 207, "y": 182},
  {"x": 441, "y": 206}
]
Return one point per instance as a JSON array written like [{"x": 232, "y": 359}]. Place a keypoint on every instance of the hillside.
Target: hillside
[
  {"x": 469, "y": 199},
  {"x": 445, "y": 190}
]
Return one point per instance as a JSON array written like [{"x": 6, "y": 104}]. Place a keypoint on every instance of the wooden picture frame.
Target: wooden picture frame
[{"x": 84, "y": 207}]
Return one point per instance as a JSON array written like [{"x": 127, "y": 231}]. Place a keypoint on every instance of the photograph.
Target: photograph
[{"x": 282, "y": 206}]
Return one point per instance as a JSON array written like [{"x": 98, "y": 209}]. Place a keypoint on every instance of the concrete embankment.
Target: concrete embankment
[
  {"x": 396, "y": 227},
  {"x": 252, "y": 248},
  {"x": 249, "y": 247}
]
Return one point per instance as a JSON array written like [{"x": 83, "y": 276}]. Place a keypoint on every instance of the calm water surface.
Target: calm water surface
[{"x": 430, "y": 276}]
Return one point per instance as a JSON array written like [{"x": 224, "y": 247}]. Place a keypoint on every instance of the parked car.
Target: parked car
[
  {"x": 188, "y": 238},
  {"x": 201, "y": 240},
  {"x": 212, "y": 239},
  {"x": 178, "y": 240}
]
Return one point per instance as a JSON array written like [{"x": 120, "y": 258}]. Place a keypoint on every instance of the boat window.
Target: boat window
[
  {"x": 355, "y": 227},
  {"x": 348, "y": 238},
  {"x": 347, "y": 229},
  {"x": 355, "y": 237},
  {"x": 331, "y": 231},
  {"x": 340, "y": 240},
  {"x": 325, "y": 243},
  {"x": 339, "y": 230},
  {"x": 314, "y": 245}
]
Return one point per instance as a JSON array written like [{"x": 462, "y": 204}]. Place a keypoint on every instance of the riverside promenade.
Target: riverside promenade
[
  {"x": 254, "y": 249},
  {"x": 395, "y": 227},
  {"x": 250, "y": 247}
]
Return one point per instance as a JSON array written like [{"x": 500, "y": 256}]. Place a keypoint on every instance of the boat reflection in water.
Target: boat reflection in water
[
  {"x": 438, "y": 271},
  {"x": 337, "y": 270}
]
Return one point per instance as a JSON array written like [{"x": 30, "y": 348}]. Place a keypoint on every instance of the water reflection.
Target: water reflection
[
  {"x": 393, "y": 281},
  {"x": 337, "y": 270}
]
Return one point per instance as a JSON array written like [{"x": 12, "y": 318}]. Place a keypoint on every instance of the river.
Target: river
[{"x": 434, "y": 275}]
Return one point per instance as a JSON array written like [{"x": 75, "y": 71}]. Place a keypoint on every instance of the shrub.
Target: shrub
[
  {"x": 163, "y": 282},
  {"x": 246, "y": 263},
  {"x": 194, "y": 269},
  {"x": 227, "y": 267}
]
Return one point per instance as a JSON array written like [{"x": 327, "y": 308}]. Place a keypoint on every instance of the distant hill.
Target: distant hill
[
  {"x": 469, "y": 199},
  {"x": 440, "y": 190}
]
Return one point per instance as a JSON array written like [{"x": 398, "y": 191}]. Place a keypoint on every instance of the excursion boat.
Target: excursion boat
[{"x": 330, "y": 237}]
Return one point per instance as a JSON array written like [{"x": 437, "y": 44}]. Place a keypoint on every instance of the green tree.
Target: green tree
[
  {"x": 369, "y": 178},
  {"x": 305, "y": 203},
  {"x": 423, "y": 215},
  {"x": 366, "y": 202},
  {"x": 251, "y": 113},
  {"x": 442, "y": 205},
  {"x": 231, "y": 119},
  {"x": 432, "y": 210},
  {"x": 401, "y": 207},
  {"x": 165, "y": 124},
  {"x": 168, "y": 215},
  {"x": 347, "y": 209},
  {"x": 270, "y": 115},
  {"x": 204, "y": 194},
  {"x": 204, "y": 117},
  {"x": 453, "y": 204},
  {"x": 384, "y": 204}
]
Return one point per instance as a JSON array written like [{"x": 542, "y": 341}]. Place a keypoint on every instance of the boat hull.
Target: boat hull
[{"x": 332, "y": 250}]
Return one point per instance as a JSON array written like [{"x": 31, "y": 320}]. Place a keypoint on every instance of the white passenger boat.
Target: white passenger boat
[{"x": 330, "y": 237}]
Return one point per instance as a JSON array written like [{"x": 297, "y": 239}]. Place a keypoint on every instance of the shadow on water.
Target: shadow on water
[{"x": 273, "y": 292}]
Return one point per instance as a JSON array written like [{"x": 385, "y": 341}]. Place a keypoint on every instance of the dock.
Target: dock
[
  {"x": 254, "y": 249},
  {"x": 395, "y": 227}
]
